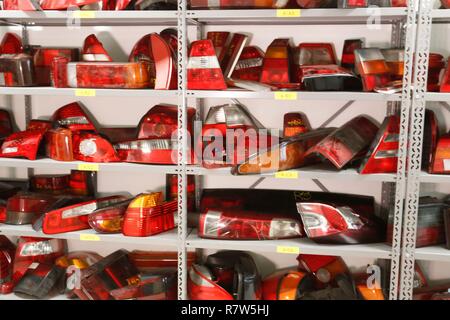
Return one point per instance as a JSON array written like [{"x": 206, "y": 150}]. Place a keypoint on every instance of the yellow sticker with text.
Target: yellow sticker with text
[
  {"x": 85, "y": 92},
  {"x": 285, "y": 95},
  {"x": 286, "y": 175},
  {"x": 84, "y": 14},
  {"x": 89, "y": 237},
  {"x": 88, "y": 167},
  {"x": 288, "y": 250},
  {"x": 288, "y": 13}
]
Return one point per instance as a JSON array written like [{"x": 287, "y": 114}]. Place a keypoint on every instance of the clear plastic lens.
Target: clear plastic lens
[{"x": 36, "y": 249}]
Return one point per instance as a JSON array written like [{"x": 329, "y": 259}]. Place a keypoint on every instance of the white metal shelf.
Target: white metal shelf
[
  {"x": 89, "y": 18},
  {"x": 312, "y": 172},
  {"x": 299, "y": 95},
  {"x": 50, "y": 91},
  {"x": 440, "y": 15},
  {"x": 74, "y": 165},
  {"x": 434, "y": 253},
  {"x": 304, "y": 246},
  {"x": 304, "y": 16},
  {"x": 167, "y": 239},
  {"x": 434, "y": 178},
  {"x": 437, "y": 96}
]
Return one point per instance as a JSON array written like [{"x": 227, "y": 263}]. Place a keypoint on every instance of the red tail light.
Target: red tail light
[
  {"x": 435, "y": 64},
  {"x": 161, "y": 122},
  {"x": 172, "y": 190},
  {"x": 372, "y": 67},
  {"x": 113, "y": 272},
  {"x": 249, "y": 65},
  {"x": 220, "y": 42},
  {"x": 286, "y": 285},
  {"x": 395, "y": 62},
  {"x": 43, "y": 59},
  {"x": 2, "y": 213},
  {"x": 326, "y": 223},
  {"x": 142, "y": 51},
  {"x": 445, "y": 83},
  {"x": 348, "y": 53},
  {"x": 17, "y": 70},
  {"x": 165, "y": 65},
  {"x": 91, "y": 147},
  {"x": 119, "y": 134},
  {"x": 147, "y": 215},
  {"x": 75, "y": 217},
  {"x": 35, "y": 124},
  {"x": 11, "y": 44},
  {"x": 153, "y": 151},
  {"x": 382, "y": 156},
  {"x": 204, "y": 71},
  {"x": 6, "y": 126},
  {"x": 316, "y": 54},
  {"x": 83, "y": 183},
  {"x": 25, "y": 5},
  {"x": 22, "y": 144},
  {"x": 55, "y": 184},
  {"x": 202, "y": 287},
  {"x": 347, "y": 142},
  {"x": 295, "y": 123},
  {"x": 441, "y": 159},
  {"x": 247, "y": 225},
  {"x": 24, "y": 208},
  {"x": 59, "y": 144},
  {"x": 36, "y": 250},
  {"x": 7, "y": 250},
  {"x": 93, "y": 50},
  {"x": 148, "y": 261},
  {"x": 235, "y": 4},
  {"x": 73, "y": 117},
  {"x": 430, "y": 138},
  {"x": 109, "y": 219},
  {"x": 234, "y": 50}
]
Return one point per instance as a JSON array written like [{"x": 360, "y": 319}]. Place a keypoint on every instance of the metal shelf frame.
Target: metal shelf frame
[{"x": 395, "y": 187}]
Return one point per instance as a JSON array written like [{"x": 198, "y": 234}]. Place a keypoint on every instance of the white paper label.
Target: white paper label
[{"x": 446, "y": 164}]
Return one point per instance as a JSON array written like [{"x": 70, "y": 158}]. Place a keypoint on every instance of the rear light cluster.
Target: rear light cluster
[
  {"x": 40, "y": 268},
  {"x": 306, "y": 4},
  {"x": 71, "y": 135},
  {"x": 106, "y": 5},
  {"x": 223, "y": 60},
  {"x": 266, "y": 214},
  {"x": 233, "y": 275},
  {"x": 152, "y": 64}
]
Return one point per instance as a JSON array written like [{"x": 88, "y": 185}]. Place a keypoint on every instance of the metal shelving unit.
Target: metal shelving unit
[{"x": 395, "y": 186}]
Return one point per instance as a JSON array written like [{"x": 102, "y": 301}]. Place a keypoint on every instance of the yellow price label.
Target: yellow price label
[
  {"x": 88, "y": 167},
  {"x": 85, "y": 93},
  {"x": 286, "y": 175},
  {"x": 288, "y": 250},
  {"x": 281, "y": 95},
  {"x": 89, "y": 237},
  {"x": 84, "y": 14},
  {"x": 289, "y": 13}
]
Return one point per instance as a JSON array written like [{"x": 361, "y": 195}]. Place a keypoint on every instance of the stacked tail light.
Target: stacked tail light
[
  {"x": 372, "y": 67},
  {"x": 348, "y": 53},
  {"x": 90, "y": 147},
  {"x": 249, "y": 65},
  {"x": 382, "y": 156}
]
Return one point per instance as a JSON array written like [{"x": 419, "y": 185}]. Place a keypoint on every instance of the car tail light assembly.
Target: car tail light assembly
[
  {"x": 430, "y": 222},
  {"x": 73, "y": 117},
  {"x": 6, "y": 126},
  {"x": 148, "y": 261},
  {"x": 382, "y": 156},
  {"x": 54, "y": 184},
  {"x": 58, "y": 144},
  {"x": 201, "y": 285},
  {"x": 112, "y": 272},
  {"x": 316, "y": 54},
  {"x": 327, "y": 223},
  {"x": 94, "y": 51},
  {"x": 11, "y": 44},
  {"x": 278, "y": 65},
  {"x": 435, "y": 65},
  {"x": 90, "y": 147},
  {"x": 395, "y": 61},
  {"x": 430, "y": 139},
  {"x": 154, "y": 151},
  {"x": 24, "y": 144},
  {"x": 203, "y": 70},
  {"x": 109, "y": 219},
  {"x": 148, "y": 215},
  {"x": 346, "y": 143},
  {"x": 75, "y": 217},
  {"x": 328, "y": 78},
  {"x": 83, "y": 183},
  {"x": 220, "y": 41},
  {"x": 7, "y": 250},
  {"x": 286, "y": 285},
  {"x": 440, "y": 163},
  {"x": 348, "y": 52},
  {"x": 325, "y": 269},
  {"x": 32, "y": 5},
  {"x": 249, "y": 65},
  {"x": 247, "y": 225},
  {"x": 43, "y": 59},
  {"x": 36, "y": 250},
  {"x": 295, "y": 123},
  {"x": 289, "y": 154},
  {"x": 234, "y": 50},
  {"x": 165, "y": 64},
  {"x": 372, "y": 67},
  {"x": 234, "y": 4},
  {"x": 172, "y": 190},
  {"x": 17, "y": 70},
  {"x": 100, "y": 75}
]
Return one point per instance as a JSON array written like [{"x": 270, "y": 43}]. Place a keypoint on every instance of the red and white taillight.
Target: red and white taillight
[
  {"x": 7, "y": 250},
  {"x": 91, "y": 147},
  {"x": 22, "y": 144},
  {"x": 371, "y": 65},
  {"x": 382, "y": 156},
  {"x": 73, "y": 117},
  {"x": 94, "y": 51},
  {"x": 247, "y": 225},
  {"x": 153, "y": 151},
  {"x": 249, "y": 65},
  {"x": 109, "y": 219},
  {"x": 75, "y": 217},
  {"x": 346, "y": 143},
  {"x": 203, "y": 70},
  {"x": 348, "y": 52},
  {"x": 440, "y": 162},
  {"x": 6, "y": 126}
]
